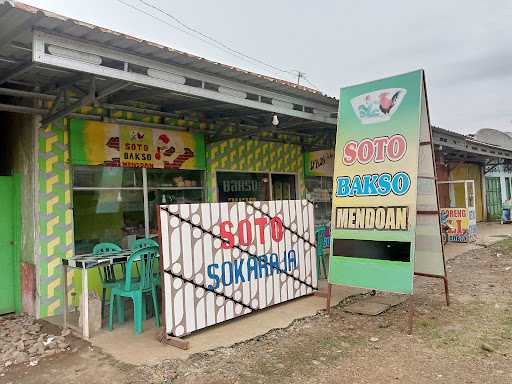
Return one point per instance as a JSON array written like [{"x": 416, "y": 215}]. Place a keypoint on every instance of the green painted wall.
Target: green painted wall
[{"x": 252, "y": 156}]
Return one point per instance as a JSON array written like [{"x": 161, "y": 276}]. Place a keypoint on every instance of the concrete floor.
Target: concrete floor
[{"x": 124, "y": 346}]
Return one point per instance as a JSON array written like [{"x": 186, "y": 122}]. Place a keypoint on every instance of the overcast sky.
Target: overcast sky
[{"x": 465, "y": 47}]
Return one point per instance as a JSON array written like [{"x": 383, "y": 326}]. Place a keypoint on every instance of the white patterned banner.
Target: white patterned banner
[{"x": 224, "y": 260}]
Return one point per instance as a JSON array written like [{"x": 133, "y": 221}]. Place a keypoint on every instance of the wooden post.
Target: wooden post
[
  {"x": 411, "y": 315},
  {"x": 328, "y": 300},
  {"x": 447, "y": 294}
]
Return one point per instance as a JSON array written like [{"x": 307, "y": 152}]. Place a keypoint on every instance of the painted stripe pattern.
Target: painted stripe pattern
[
  {"x": 200, "y": 287},
  {"x": 55, "y": 216}
]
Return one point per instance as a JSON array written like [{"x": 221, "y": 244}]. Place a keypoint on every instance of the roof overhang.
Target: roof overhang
[{"x": 47, "y": 57}]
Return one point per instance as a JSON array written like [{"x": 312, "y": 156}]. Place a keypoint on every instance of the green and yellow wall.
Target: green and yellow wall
[
  {"x": 54, "y": 200},
  {"x": 55, "y": 216},
  {"x": 252, "y": 156}
]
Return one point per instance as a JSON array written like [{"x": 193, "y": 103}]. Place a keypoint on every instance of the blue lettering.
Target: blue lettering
[
  {"x": 263, "y": 265},
  {"x": 274, "y": 263},
  {"x": 343, "y": 188},
  {"x": 370, "y": 185},
  {"x": 292, "y": 260},
  {"x": 252, "y": 268},
  {"x": 227, "y": 273},
  {"x": 401, "y": 183},
  {"x": 238, "y": 272},
  {"x": 212, "y": 275},
  {"x": 357, "y": 187},
  {"x": 384, "y": 184}
]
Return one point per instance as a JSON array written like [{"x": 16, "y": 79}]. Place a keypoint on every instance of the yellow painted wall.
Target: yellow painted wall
[{"x": 468, "y": 171}]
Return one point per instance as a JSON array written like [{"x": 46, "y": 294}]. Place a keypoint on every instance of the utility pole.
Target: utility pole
[{"x": 300, "y": 75}]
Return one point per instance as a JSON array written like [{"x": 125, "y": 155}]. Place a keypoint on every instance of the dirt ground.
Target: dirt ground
[{"x": 468, "y": 342}]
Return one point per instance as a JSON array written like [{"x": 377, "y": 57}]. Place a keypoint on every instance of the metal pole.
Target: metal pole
[
  {"x": 65, "y": 272},
  {"x": 85, "y": 304},
  {"x": 146, "y": 203}
]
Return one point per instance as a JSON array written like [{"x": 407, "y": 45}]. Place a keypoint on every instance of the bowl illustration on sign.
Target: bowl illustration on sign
[{"x": 378, "y": 106}]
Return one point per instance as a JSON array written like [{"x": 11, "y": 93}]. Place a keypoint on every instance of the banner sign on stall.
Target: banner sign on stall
[
  {"x": 462, "y": 223},
  {"x": 114, "y": 145},
  {"x": 225, "y": 260},
  {"x": 319, "y": 163},
  {"x": 385, "y": 212}
]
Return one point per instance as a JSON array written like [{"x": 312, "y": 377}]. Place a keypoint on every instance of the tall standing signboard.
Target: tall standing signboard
[{"x": 385, "y": 219}]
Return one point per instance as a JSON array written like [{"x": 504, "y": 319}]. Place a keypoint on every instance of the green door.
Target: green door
[
  {"x": 493, "y": 196},
  {"x": 8, "y": 232}
]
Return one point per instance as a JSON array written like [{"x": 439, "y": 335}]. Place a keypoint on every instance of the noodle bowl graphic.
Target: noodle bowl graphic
[{"x": 378, "y": 106}]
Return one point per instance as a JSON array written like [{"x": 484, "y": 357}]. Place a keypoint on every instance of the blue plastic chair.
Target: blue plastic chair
[
  {"x": 136, "y": 288},
  {"x": 107, "y": 273},
  {"x": 143, "y": 243}
]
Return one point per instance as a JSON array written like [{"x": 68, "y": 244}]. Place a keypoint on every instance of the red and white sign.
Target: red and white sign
[{"x": 224, "y": 260}]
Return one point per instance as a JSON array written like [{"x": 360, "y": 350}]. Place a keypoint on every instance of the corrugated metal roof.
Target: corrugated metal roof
[{"x": 14, "y": 13}]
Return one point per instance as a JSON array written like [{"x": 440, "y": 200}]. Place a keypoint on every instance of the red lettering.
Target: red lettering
[
  {"x": 380, "y": 145},
  {"x": 244, "y": 232},
  {"x": 276, "y": 228},
  {"x": 226, "y": 234},
  {"x": 378, "y": 149},
  {"x": 350, "y": 153},
  {"x": 261, "y": 222},
  {"x": 365, "y": 151},
  {"x": 396, "y": 147}
]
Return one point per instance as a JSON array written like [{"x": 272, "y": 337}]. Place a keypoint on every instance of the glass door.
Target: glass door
[{"x": 283, "y": 187}]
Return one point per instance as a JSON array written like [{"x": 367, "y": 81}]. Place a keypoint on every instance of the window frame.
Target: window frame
[
  {"x": 270, "y": 183},
  {"x": 145, "y": 188}
]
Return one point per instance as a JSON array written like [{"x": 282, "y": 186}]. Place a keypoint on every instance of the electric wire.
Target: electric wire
[{"x": 193, "y": 32}]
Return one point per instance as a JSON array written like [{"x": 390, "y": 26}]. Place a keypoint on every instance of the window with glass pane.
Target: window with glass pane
[
  {"x": 108, "y": 206},
  {"x": 167, "y": 186},
  {"x": 507, "y": 187},
  {"x": 319, "y": 191},
  {"x": 242, "y": 186}
]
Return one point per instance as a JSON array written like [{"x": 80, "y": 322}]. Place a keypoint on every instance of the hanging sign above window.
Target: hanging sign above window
[
  {"x": 114, "y": 145},
  {"x": 319, "y": 163}
]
